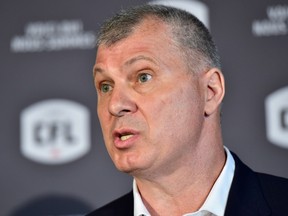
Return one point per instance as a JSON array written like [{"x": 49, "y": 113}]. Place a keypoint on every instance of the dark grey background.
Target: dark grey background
[{"x": 253, "y": 66}]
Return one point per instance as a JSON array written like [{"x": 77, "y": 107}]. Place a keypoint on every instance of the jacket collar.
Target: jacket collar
[{"x": 245, "y": 196}]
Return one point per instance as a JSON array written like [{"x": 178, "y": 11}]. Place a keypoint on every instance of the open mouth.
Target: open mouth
[
  {"x": 124, "y": 135},
  {"x": 125, "y": 138}
]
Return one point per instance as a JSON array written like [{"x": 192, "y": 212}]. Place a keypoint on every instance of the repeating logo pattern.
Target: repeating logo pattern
[
  {"x": 53, "y": 36},
  {"x": 275, "y": 24},
  {"x": 55, "y": 131}
]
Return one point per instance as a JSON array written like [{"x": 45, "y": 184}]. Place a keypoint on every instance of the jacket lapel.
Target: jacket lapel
[{"x": 245, "y": 196}]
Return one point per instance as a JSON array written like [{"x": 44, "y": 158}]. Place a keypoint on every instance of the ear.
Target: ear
[{"x": 215, "y": 90}]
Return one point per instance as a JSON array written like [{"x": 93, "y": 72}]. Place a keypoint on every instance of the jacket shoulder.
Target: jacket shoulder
[
  {"x": 275, "y": 190},
  {"x": 122, "y": 206},
  {"x": 253, "y": 193}
]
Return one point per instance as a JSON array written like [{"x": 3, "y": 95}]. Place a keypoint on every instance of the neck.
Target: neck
[{"x": 186, "y": 189}]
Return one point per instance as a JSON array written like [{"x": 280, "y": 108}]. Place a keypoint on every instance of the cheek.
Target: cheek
[
  {"x": 178, "y": 103},
  {"x": 179, "y": 111}
]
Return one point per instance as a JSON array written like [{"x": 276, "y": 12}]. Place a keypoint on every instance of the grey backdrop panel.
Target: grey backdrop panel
[{"x": 254, "y": 64}]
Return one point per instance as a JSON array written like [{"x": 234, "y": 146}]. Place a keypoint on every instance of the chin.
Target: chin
[
  {"x": 125, "y": 169},
  {"x": 131, "y": 163},
  {"x": 131, "y": 168}
]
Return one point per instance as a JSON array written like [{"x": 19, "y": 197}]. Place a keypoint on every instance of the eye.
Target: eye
[
  {"x": 144, "y": 77},
  {"x": 104, "y": 87}
]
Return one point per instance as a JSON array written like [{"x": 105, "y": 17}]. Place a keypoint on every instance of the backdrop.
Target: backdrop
[{"x": 52, "y": 157}]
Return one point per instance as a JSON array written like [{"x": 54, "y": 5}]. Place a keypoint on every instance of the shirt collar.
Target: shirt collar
[
  {"x": 139, "y": 207},
  {"x": 218, "y": 194},
  {"x": 220, "y": 190}
]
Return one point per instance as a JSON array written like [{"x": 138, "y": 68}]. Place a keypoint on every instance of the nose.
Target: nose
[{"x": 121, "y": 102}]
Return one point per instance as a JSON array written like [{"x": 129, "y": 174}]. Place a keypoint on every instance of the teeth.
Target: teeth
[{"x": 125, "y": 137}]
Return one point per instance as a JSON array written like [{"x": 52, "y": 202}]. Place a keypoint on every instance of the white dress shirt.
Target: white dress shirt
[{"x": 216, "y": 201}]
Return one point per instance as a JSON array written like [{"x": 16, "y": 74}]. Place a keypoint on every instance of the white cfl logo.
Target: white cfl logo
[{"x": 55, "y": 131}]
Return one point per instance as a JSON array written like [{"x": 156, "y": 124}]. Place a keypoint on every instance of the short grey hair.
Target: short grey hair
[{"x": 189, "y": 34}]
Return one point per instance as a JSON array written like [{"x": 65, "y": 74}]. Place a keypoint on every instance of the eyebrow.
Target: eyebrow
[
  {"x": 127, "y": 63},
  {"x": 97, "y": 70}
]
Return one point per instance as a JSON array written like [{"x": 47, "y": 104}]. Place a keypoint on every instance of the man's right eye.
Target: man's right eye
[{"x": 105, "y": 88}]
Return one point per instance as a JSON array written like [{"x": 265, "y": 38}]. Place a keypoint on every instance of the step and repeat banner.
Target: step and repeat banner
[{"x": 52, "y": 156}]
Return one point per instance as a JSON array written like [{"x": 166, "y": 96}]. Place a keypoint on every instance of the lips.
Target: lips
[{"x": 124, "y": 138}]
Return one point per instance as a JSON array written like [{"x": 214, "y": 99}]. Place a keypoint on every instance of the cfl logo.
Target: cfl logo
[
  {"x": 276, "y": 105},
  {"x": 51, "y": 133},
  {"x": 55, "y": 131}
]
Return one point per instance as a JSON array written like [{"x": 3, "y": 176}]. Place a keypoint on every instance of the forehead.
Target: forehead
[{"x": 152, "y": 37}]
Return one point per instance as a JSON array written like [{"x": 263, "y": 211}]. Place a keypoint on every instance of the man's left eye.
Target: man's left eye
[{"x": 144, "y": 77}]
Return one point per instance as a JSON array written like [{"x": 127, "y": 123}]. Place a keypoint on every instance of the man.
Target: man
[{"x": 160, "y": 89}]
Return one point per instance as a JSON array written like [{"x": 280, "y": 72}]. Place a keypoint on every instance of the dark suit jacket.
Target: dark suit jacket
[{"x": 251, "y": 194}]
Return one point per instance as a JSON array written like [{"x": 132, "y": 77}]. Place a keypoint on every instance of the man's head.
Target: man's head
[{"x": 158, "y": 102}]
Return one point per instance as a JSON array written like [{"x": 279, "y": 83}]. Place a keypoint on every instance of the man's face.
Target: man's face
[{"x": 151, "y": 108}]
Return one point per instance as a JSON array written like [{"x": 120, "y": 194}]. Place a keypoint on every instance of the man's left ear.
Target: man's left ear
[{"x": 215, "y": 90}]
